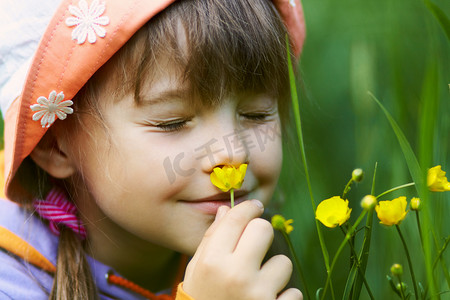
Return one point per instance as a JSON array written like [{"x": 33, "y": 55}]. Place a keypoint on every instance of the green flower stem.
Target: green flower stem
[
  {"x": 347, "y": 188},
  {"x": 341, "y": 247},
  {"x": 365, "y": 249},
  {"x": 395, "y": 189},
  {"x": 402, "y": 292},
  {"x": 357, "y": 263},
  {"x": 441, "y": 251},
  {"x": 296, "y": 263},
  {"x": 232, "y": 197},
  {"x": 298, "y": 125},
  {"x": 439, "y": 258},
  {"x": 419, "y": 228},
  {"x": 408, "y": 257},
  {"x": 364, "y": 252}
]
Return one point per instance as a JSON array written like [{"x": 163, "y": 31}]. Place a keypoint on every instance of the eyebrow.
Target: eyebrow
[{"x": 176, "y": 94}]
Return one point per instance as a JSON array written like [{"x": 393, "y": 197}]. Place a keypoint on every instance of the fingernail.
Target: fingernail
[{"x": 258, "y": 203}]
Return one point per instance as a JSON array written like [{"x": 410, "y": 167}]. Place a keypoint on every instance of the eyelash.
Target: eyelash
[
  {"x": 257, "y": 116},
  {"x": 174, "y": 126},
  {"x": 179, "y": 125}
]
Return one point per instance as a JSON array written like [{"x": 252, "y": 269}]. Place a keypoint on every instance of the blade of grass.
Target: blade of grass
[
  {"x": 440, "y": 16},
  {"x": 418, "y": 177},
  {"x": 411, "y": 160},
  {"x": 428, "y": 116},
  {"x": 296, "y": 109},
  {"x": 350, "y": 281}
]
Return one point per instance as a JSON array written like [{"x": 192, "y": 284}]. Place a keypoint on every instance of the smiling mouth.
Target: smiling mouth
[
  {"x": 211, "y": 204},
  {"x": 223, "y": 196}
]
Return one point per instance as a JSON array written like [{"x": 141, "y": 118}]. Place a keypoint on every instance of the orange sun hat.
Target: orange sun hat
[{"x": 80, "y": 38}]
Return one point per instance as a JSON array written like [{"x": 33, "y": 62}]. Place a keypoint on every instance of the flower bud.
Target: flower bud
[
  {"x": 281, "y": 224},
  {"x": 397, "y": 270},
  {"x": 401, "y": 287},
  {"x": 368, "y": 202},
  {"x": 357, "y": 175},
  {"x": 415, "y": 204}
]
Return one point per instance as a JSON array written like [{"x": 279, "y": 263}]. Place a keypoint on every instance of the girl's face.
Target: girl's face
[{"x": 149, "y": 171}]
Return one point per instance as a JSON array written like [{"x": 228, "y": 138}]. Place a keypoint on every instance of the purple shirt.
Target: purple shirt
[{"x": 20, "y": 280}]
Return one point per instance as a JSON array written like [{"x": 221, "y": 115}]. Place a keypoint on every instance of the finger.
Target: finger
[
  {"x": 209, "y": 232},
  {"x": 230, "y": 227},
  {"x": 255, "y": 242},
  {"x": 291, "y": 294},
  {"x": 276, "y": 272}
]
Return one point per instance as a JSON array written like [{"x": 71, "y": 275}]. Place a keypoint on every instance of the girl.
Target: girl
[{"x": 126, "y": 109}]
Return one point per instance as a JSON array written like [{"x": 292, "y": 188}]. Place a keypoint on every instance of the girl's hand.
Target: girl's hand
[{"x": 227, "y": 264}]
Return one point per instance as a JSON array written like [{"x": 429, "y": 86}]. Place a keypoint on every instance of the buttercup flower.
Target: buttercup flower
[
  {"x": 415, "y": 204},
  {"x": 49, "y": 109},
  {"x": 436, "y": 180},
  {"x": 281, "y": 224},
  {"x": 333, "y": 212},
  {"x": 88, "y": 21},
  {"x": 391, "y": 212},
  {"x": 228, "y": 177}
]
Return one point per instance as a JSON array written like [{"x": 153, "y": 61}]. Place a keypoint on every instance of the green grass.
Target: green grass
[{"x": 400, "y": 52}]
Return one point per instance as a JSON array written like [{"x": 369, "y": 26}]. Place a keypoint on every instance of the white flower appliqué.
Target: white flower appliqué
[
  {"x": 292, "y": 3},
  {"x": 49, "y": 109},
  {"x": 88, "y": 21}
]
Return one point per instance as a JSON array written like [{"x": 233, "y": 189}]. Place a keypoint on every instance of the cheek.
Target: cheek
[{"x": 266, "y": 156}]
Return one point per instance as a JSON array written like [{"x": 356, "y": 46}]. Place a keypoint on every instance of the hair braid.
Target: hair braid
[{"x": 73, "y": 278}]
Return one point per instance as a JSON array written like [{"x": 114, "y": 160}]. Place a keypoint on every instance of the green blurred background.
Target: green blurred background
[{"x": 398, "y": 50}]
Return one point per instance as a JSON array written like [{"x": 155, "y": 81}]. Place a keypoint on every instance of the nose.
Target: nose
[{"x": 228, "y": 145}]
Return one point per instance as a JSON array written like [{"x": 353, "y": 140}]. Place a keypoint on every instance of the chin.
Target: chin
[{"x": 187, "y": 249}]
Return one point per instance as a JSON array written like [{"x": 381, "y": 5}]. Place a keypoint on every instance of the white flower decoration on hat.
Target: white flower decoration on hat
[
  {"x": 49, "y": 109},
  {"x": 292, "y": 3},
  {"x": 88, "y": 21}
]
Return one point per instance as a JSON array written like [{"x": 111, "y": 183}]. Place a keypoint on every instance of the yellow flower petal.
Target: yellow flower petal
[
  {"x": 228, "y": 177},
  {"x": 217, "y": 178},
  {"x": 392, "y": 212},
  {"x": 436, "y": 180},
  {"x": 333, "y": 212}
]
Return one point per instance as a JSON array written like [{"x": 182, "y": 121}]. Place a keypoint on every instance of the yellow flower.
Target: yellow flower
[
  {"x": 391, "y": 212},
  {"x": 415, "y": 204},
  {"x": 333, "y": 211},
  {"x": 281, "y": 224},
  {"x": 437, "y": 182},
  {"x": 228, "y": 177}
]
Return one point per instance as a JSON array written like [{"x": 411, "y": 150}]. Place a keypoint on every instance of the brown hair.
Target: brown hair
[{"x": 230, "y": 47}]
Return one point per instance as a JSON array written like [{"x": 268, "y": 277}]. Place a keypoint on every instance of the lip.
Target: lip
[{"x": 211, "y": 204}]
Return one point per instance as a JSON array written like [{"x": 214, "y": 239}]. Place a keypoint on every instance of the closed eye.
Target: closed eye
[
  {"x": 258, "y": 117},
  {"x": 172, "y": 126}
]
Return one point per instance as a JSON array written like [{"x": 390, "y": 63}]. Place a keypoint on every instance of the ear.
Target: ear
[{"x": 51, "y": 158}]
